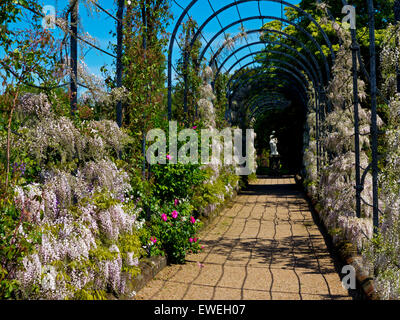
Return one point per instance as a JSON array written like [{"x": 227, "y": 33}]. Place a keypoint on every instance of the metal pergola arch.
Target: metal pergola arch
[
  {"x": 268, "y": 94},
  {"x": 321, "y": 90},
  {"x": 262, "y": 94},
  {"x": 318, "y": 113},
  {"x": 295, "y": 69},
  {"x": 261, "y": 74},
  {"x": 301, "y": 93},
  {"x": 256, "y": 99},
  {"x": 253, "y": 18},
  {"x": 307, "y": 15},
  {"x": 256, "y": 107},
  {"x": 266, "y": 50},
  {"x": 267, "y": 107},
  {"x": 309, "y": 73},
  {"x": 216, "y": 13},
  {"x": 325, "y": 61},
  {"x": 279, "y": 61},
  {"x": 264, "y": 106},
  {"x": 282, "y": 69},
  {"x": 266, "y": 85},
  {"x": 288, "y": 82}
]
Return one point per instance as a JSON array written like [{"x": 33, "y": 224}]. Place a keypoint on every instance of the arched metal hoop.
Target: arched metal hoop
[
  {"x": 310, "y": 74},
  {"x": 294, "y": 70},
  {"x": 215, "y": 14},
  {"x": 286, "y": 35},
  {"x": 310, "y": 54}
]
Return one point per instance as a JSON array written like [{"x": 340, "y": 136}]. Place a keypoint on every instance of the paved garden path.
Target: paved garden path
[{"x": 265, "y": 246}]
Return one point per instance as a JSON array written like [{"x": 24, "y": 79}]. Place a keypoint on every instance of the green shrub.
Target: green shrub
[
  {"x": 174, "y": 231},
  {"x": 212, "y": 191},
  {"x": 177, "y": 181}
]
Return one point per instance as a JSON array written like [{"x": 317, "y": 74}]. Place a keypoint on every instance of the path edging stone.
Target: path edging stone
[{"x": 149, "y": 268}]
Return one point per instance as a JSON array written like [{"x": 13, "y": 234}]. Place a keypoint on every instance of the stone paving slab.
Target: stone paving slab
[{"x": 264, "y": 247}]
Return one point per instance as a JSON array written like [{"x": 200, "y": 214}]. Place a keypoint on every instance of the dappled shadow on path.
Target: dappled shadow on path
[{"x": 265, "y": 246}]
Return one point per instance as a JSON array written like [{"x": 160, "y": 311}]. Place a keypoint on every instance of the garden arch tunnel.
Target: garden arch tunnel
[
  {"x": 295, "y": 56},
  {"x": 296, "y": 84},
  {"x": 268, "y": 83},
  {"x": 317, "y": 67},
  {"x": 258, "y": 17}
]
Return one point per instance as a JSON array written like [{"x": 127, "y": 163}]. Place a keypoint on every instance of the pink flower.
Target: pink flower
[
  {"x": 194, "y": 128},
  {"x": 174, "y": 214},
  {"x": 154, "y": 240},
  {"x": 164, "y": 217},
  {"x": 195, "y": 239},
  {"x": 169, "y": 157},
  {"x": 190, "y": 240},
  {"x": 176, "y": 201},
  {"x": 192, "y": 220}
]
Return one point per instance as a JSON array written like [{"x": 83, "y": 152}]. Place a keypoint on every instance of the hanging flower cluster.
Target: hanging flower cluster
[
  {"x": 206, "y": 98},
  {"x": 85, "y": 216},
  {"x": 383, "y": 254},
  {"x": 33, "y": 105},
  {"x": 229, "y": 43},
  {"x": 389, "y": 59},
  {"x": 50, "y": 138},
  {"x": 335, "y": 185}
]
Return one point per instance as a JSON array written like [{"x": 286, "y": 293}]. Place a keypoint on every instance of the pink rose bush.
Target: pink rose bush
[{"x": 176, "y": 231}]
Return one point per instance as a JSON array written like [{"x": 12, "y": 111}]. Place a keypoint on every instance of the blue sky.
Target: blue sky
[{"x": 99, "y": 25}]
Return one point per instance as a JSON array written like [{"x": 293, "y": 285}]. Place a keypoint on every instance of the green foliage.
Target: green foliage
[
  {"x": 90, "y": 295},
  {"x": 130, "y": 243},
  {"x": 13, "y": 245},
  {"x": 252, "y": 177},
  {"x": 212, "y": 192},
  {"x": 176, "y": 235},
  {"x": 144, "y": 66},
  {"x": 220, "y": 100},
  {"x": 176, "y": 181},
  {"x": 187, "y": 69},
  {"x": 146, "y": 239}
]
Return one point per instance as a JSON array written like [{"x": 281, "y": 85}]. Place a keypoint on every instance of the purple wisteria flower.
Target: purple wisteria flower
[{"x": 21, "y": 167}]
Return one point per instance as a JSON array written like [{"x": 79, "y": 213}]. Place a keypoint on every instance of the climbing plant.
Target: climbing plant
[
  {"x": 144, "y": 44},
  {"x": 188, "y": 73}
]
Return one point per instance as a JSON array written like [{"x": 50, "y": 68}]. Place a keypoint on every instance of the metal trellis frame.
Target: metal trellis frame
[{"x": 215, "y": 14}]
